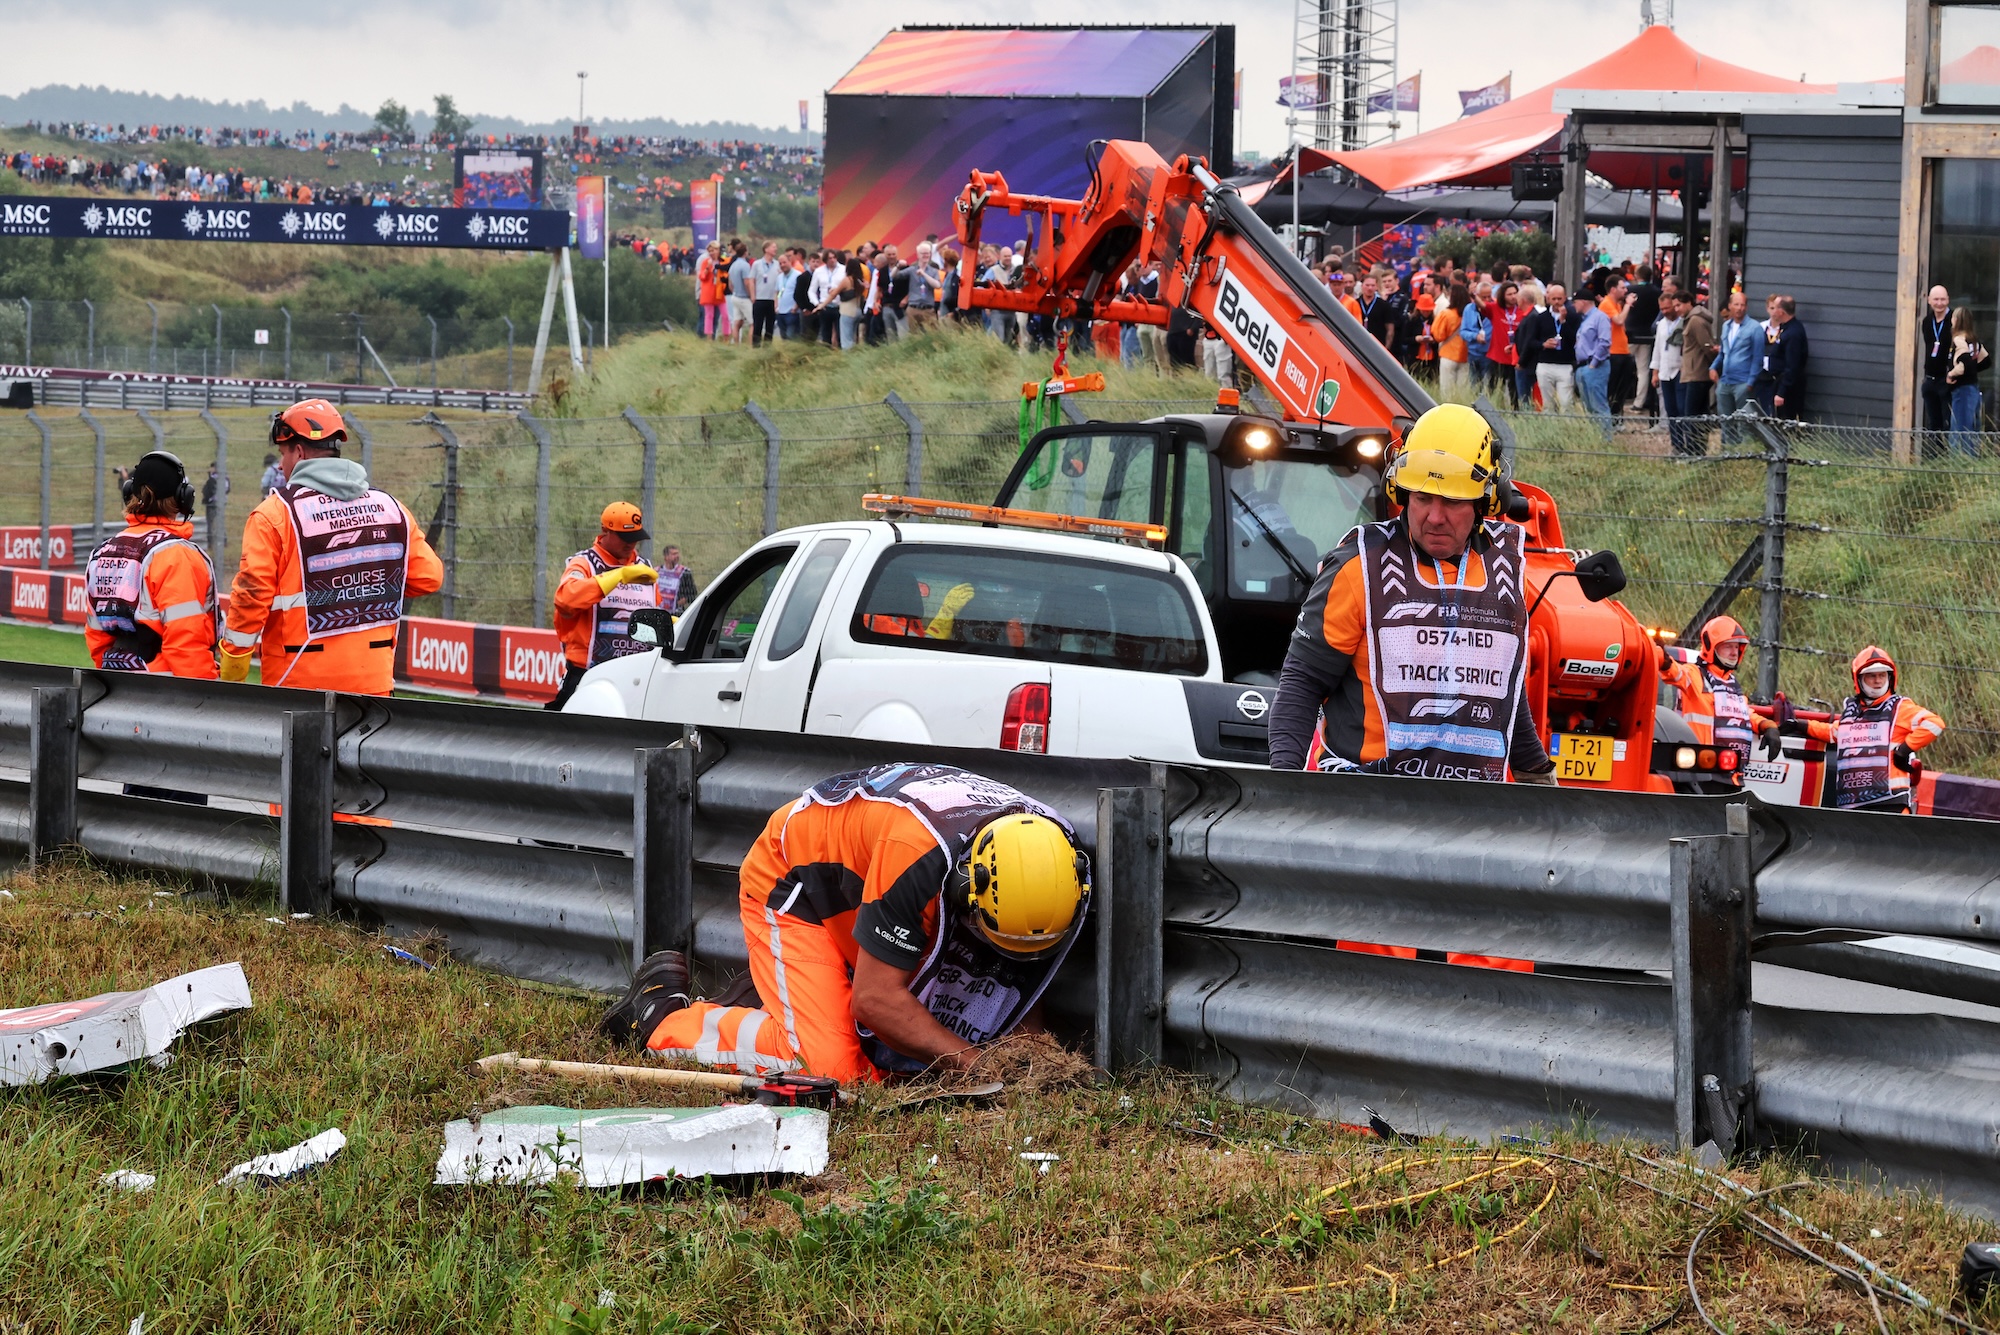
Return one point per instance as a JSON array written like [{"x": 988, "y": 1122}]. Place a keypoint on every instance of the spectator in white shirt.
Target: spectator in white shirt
[{"x": 765, "y": 276}]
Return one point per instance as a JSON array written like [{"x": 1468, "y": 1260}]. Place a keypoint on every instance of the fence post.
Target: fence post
[
  {"x": 89, "y": 335},
  {"x": 1129, "y": 881},
  {"x": 305, "y": 823},
  {"x": 434, "y": 350},
  {"x": 218, "y": 514},
  {"x": 52, "y": 739},
  {"x": 48, "y": 475},
  {"x": 28, "y": 333},
  {"x": 152, "y": 425},
  {"x": 510, "y": 353},
  {"x": 913, "y": 468},
  {"x": 1714, "y": 901},
  {"x": 443, "y": 533},
  {"x": 287, "y": 310},
  {"x": 1771, "y": 614},
  {"x": 544, "y": 458},
  {"x": 649, "y": 467},
  {"x": 96, "y": 479},
  {"x": 367, "y": 442},
  {"x": 663, "y": 803},
  {"x": 773, "y": 447},
  {"x": 153, "y": 348}
]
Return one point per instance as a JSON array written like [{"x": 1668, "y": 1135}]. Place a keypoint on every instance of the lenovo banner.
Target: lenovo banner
[{"x": 314, "y": 224}]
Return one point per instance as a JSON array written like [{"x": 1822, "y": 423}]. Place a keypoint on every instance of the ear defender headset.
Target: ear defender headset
[{"x": 163, "y": 474}]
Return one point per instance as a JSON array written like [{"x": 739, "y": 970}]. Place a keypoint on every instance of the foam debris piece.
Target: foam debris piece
[
  {"x": 128, "y": 1179},
  {"x": 613, "y": 1147},
  {"x": 115, "y": 1029},
  {"x": 281, "y": 1164}
]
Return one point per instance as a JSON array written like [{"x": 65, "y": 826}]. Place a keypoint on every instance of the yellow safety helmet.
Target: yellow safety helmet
[
  {"x": 1024, "y": 882},
  {"x": 1449, "y": 453}
]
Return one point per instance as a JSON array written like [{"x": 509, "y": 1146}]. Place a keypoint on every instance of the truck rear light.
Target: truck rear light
[
  {"x": 1026, "y": 724},
  {"x": 1707, "y": 758},
  {"x": 1725, "y": 761}
]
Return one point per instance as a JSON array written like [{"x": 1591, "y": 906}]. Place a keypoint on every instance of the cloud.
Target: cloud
[{"x": 700, "y": 60}]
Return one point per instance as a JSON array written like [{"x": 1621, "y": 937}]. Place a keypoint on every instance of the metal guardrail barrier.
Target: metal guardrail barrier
[
  {"x": 1236, "y": 908},
  {"x": 55, "y": 389}
]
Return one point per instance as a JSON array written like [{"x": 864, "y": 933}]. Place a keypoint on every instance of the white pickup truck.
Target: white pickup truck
[{"x": 949, "y": 635}]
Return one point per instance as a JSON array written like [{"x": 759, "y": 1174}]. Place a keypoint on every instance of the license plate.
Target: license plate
[{"x": 1582, "y": 758}]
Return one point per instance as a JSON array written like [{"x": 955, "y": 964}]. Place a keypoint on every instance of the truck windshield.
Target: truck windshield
[
  {"x": 986, "y": 601},
  {"x": 1285, "y": 514},
  {"x": 1107, "y": 476}
]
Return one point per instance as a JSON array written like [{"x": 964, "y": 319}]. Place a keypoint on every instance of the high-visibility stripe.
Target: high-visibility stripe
[
  {"x": 1705, "y": 720},
  {"x": 778, "y": 963},
  {"x": 180, "y": 610},
  {"x": 708, "y": 1046},
  {"x": 242, "y": 639},
  {"x": 285, "y": 602}
]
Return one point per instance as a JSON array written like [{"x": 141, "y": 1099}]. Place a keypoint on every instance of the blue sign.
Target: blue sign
[{"x": 312, "y": 224}]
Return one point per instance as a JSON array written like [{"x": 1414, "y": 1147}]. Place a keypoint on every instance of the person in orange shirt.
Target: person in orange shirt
[
  {"x": 1872, "y": 743},
  {"x": 1410, "y": 653},
  {"x": 1425, "y": 305},
  {"x": 1446, "y": 322},
  {"x": 328, "y": 563},
  {"x": 1623, "y": 384},
  {"x": 151, "y": 589},
  {"x": 897, "y": 917},
  {"x": 601, "y": 587}
]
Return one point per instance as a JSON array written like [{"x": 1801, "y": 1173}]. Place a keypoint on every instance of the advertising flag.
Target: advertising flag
[
  {"x": 1299, "y": 91},
  {"x": 1487, "y": 98},
  {"x": 1406, "y": 96},
  {"x": 702, "y": 211},
  {"x": 590, "y": 217},
  {"x": 1238, "y": 95},
  {"x": 803, "y": 104}
]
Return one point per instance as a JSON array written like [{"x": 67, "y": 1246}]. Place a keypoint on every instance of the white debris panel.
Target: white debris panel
[
  {"x": 278, "y": 1166},
  {"x": 613, "y": 1147},
  {"x": 115, "y": 1029}
]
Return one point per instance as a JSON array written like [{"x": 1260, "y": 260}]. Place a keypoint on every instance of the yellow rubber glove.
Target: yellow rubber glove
[
  {"x": 947, "y": 615},
  {"x": 632, "y": 574},
  {"x": 235, "y": 666}
]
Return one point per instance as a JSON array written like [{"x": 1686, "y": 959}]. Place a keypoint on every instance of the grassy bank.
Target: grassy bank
[{"x": 1168, "y": 1208}]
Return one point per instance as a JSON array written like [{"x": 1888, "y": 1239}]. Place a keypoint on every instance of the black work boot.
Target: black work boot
[{"x": 660, "y": 988}]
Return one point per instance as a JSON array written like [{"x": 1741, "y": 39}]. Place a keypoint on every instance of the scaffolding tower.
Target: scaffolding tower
[{"x": 1349, "y": 49}]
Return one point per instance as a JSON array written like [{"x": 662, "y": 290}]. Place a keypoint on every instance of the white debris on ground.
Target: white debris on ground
[
  {"x": 128, "y": 1179},
  {"x": 611, "y": 1147},
  {"x": 115, "y": 1029},
  {"x": 278, "y": 1166}
]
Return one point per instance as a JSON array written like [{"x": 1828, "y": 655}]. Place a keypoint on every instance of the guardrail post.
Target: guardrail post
[
  {"x": 773, "y": 447},
  {"x": 305, "y": 828},
  {"x": 662, "y": 850},
  {"x": 48, "y": 477},
  {"x": 544, "y": 460},
  {"x": 1127, "y": 895},
  {"x": 52, "y": 740},
  {"x": 1714, "y": 901},
  {"x": 649, "y": 469},
  {"x": 913, "y": 466}
]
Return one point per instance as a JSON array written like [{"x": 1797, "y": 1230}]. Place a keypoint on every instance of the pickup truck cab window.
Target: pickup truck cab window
[
  {"x": 997, "y": 604},
  {"x": 731, "y": 614}
]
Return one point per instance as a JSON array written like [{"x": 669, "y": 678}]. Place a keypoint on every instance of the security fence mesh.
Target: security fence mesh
[{"x": 1888, "y": 537}]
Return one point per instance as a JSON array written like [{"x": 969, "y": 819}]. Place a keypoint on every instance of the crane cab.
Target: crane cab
[{"x": 1250, "y": 503}]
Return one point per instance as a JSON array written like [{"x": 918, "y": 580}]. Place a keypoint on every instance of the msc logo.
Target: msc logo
[
  {"x": 118, "y": 218},
  {"x": 198, "y": 220},
  {"x": 497, "y": 227},
  {"x": 1401, "y": 610},
  {"x": 24, "y": 215},
  {"x": 1436, "y": 707},
  {"x": 420, "y": 226},
  {"x": 313, "y": 222}
]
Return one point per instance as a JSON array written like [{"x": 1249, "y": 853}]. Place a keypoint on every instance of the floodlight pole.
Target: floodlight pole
[{"x": 542, "y": 330}]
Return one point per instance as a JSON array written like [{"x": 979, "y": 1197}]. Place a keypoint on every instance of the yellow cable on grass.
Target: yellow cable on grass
[{"x": 1495, "y": 1169}]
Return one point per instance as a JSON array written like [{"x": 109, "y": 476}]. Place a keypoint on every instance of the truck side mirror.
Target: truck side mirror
[
  {"x": 653, "y": 625},
  {"x": 1600, "y": 575}
]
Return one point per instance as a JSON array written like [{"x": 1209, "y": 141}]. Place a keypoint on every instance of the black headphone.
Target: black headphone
[{"x": 183, "y": 489}]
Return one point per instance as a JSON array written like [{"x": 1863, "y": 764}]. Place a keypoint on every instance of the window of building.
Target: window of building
[{"x": 1967, "y": 73}]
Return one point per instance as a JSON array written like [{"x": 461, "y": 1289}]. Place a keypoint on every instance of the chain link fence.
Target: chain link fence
[
  {"x": 1885, "y": 537},
  {"x": 275, "y": 343}
]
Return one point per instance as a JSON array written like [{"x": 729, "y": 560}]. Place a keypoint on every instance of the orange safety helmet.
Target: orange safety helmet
[
  {"x": 313, "y": 422},
  {"x": 1873, "y": 656},
  {"x": 1718, "y": 632}
]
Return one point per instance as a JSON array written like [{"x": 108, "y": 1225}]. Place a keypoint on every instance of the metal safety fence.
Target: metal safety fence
[
  {"x": 1878, "y": 537},
  {"x": 1465, "y": 959}
]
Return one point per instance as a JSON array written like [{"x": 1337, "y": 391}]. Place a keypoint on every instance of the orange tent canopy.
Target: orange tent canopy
[{"x": 1480, "y": 150}]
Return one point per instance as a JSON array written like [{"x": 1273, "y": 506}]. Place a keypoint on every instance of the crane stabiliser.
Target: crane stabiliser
[{"x": 1592, "y": 668}]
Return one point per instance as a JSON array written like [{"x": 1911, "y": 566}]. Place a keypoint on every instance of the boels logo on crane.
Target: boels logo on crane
[{"x": 1249, "y": 329}]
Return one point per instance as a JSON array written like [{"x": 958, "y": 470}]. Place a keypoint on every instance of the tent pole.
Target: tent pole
[
  {"x": 1653, "y": 218},
  {"x": 1718, "y": 224}
]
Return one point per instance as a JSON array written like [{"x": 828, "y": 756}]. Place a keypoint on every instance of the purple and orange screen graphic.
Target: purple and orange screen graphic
[
  {"x": 497, "y": 178},
  {"x": 1021, "y": 63}
]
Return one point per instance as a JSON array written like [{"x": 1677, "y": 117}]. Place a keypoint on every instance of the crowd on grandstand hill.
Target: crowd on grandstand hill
[{"x": 166, "y": 179}]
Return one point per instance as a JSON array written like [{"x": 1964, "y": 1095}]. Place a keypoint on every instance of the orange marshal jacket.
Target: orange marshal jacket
[{"x": 179, "y": 603}]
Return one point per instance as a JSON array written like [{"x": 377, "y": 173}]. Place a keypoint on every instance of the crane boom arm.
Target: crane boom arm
[{"x": 1217, "y": 260}]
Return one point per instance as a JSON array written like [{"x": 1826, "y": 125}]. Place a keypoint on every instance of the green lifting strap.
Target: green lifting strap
[{"x": 1039, "y": 411}]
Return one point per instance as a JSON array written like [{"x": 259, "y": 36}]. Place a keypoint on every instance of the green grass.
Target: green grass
[
  {"x": 926, "y": 1219},
  {"x": 39, "y": 644}
]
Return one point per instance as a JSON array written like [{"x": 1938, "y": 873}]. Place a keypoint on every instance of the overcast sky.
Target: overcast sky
[{"x": 752, "y": 60}]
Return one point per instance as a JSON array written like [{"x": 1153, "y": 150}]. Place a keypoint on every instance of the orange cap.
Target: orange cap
[{"x": 624, "y": 519}]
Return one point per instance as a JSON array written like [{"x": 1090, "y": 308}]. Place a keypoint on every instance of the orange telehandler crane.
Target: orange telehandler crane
[{"x": 1251, "y": 502}]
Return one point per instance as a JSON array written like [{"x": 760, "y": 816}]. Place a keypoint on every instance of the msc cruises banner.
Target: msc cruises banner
[{"x": 315, "y": 224}]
